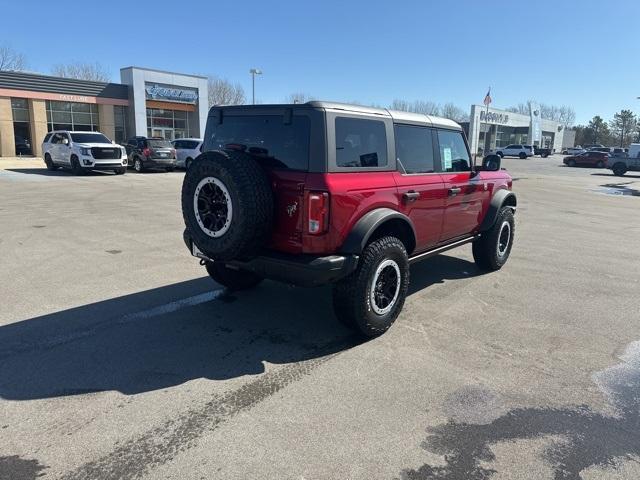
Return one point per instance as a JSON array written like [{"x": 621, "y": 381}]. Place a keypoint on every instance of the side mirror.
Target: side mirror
[{"x": 491, "y": 163}]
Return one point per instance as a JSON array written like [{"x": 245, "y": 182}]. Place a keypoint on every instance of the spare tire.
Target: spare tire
[{"x": 227, "y": 205}]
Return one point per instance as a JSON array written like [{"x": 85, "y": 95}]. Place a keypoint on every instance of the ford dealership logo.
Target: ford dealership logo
[{"x": 157, "y": 92}]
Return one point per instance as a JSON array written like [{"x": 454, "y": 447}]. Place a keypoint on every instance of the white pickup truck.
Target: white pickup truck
[{"x": 623, "y": 163}]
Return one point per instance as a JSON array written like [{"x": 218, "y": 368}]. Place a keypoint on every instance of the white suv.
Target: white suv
[
  {"x": 514, "y": 151},
  {"x": 187, "y": 149},
  {"x": 83, "y": 151}
]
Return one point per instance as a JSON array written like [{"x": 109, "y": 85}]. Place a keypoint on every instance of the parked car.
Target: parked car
[
  {"x": 542, "y": 151},
  {"x": 187, "y": 149},
  {"x": 606, "y": 150},
  {"x": 23, "y": 146},
  {"x": 593, "y": 145},
  {"x": 590, "y": 158},
  {"x": 618, "y": 152},
  {"x": 326, "y": 193},
  {"x": 573, "y": 150},
  {"x": 83, "y": 151},
  {"x": 154, "y": 152},
  {"x": 515, "y": 151},
  {"x": 630, "y": 161}
]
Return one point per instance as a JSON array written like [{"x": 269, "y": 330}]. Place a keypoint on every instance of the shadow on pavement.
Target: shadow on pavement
[
  {"x": 626, "y": 175},
  {"x": 58, "y": 173},
  {"x": 169, "y": 335}
]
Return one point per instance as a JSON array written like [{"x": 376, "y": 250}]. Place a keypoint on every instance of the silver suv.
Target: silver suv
[
  {"x": 515, "y": 151},
  {"x": 83, "y": 151}
]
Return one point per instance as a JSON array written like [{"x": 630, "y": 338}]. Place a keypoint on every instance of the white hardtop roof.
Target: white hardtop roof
[{"x": 397, "y": 116}]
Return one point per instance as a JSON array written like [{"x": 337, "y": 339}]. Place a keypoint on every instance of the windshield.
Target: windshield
[
  {"x": 282, "y": 144},
  {"x": 159, "y": 143},
  {"x": 89, "y": 138}
]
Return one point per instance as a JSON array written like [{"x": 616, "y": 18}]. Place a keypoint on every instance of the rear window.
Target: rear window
[
  {"x": 153, "y": 143},
  {"x": 89, "y": 138},
  {"x": 360, "y": 143},
  {"x": 284, "y": 144}
]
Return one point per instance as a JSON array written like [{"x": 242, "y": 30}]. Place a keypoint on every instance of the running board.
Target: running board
[{"x": 443, "y": 248}]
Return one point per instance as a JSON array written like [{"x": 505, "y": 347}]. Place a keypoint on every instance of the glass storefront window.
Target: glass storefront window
[
  {"x": 72, "y": 116},
  {"x": 169, "y": 124}
]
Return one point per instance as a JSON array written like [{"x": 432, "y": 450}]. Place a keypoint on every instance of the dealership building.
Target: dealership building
[
  {"x": 490, "y": 128},
  {"x": 146, "y": 103}
]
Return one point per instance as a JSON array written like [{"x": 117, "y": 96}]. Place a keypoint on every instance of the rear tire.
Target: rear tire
[
  {"x": 138, "y": 166},
  {"x": 491, "y": 251},
  {"x": 371, "y": 298},
  {"x": 49, "y": 163},
  {"x": 230, "y": 278},
  {"x": 571, "y": 163},
  {"x": 599, "y": 164},
  {"x": 522, "y": 155}
]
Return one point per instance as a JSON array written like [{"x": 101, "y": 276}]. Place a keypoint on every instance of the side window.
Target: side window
[
  {"x": 360, "y": 143},
  {"x": 518, "y": 147},
  {"x": 414, "y": 148},
  {"x": 55, "y": 139},
  {"x": 178, "y": 144},
  {"x": 47, "y": 137},
  {"x": 509, "y": 147},
  {"x": 454, "y": 155}
]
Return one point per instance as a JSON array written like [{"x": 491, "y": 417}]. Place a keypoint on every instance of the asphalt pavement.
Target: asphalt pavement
[{"x": 120, "y": 358}]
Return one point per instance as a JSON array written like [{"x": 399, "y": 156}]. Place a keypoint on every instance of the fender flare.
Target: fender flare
[
  {"x": 499, "y": 199},
  {"x": 361, "y": 232}
]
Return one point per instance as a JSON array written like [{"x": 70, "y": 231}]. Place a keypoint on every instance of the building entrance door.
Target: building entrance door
[{"x": 166, "y": 133}]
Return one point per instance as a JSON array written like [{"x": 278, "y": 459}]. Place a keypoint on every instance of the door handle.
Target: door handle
[
  {"x": 454, "y": 191},
  {"x": 410, "y": 196}
]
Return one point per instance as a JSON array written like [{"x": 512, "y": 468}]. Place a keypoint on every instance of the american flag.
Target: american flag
[{"x": 487, "y": 98}]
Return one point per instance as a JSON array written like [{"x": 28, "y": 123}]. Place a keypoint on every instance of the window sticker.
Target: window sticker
[{"x": 446, "y": 156}]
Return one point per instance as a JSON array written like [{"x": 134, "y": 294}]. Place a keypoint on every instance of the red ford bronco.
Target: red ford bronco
[{"x": 318, "y": 193}]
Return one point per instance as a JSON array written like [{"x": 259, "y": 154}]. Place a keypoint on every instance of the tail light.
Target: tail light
[
  {"x": 318, "y": 219},
  {"x": 146, "y": 152}
]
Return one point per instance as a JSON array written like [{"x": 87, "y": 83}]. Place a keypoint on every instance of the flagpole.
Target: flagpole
[{"x": 486, "y": 121}]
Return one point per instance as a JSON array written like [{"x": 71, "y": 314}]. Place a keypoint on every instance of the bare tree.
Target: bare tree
[
  {"x": 453, "y": 112},
  {"x": 11, "y": 60},
  {"x": 82, "y": 71},
  {"x": 298, "y": 97},
  {"x": 561, "y": 114},
  {"x": 223, "y": 92},
  {"x": 418, "y": 106}
]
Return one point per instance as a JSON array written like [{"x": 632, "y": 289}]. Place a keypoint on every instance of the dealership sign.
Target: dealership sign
[
  {"x": 172, "y": 94},
  {"x": 491, "y": 117}
]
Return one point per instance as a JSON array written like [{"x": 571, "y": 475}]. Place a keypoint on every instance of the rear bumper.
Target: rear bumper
[
  {"x": 159, "y": 162},
  {"x": 301, "y": 270}
]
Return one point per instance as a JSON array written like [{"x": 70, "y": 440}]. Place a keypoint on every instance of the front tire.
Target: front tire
[
  {"x": 491, "y": 251},
  {"x": 500, "y": 154},
  {"x": 120, "y": 171},
  {"x": 75, "y": 166},
  {"x": 600, "y": 164},
  {"x": 571, "y": 163},
  {"x": 170, "y": 169},
  {"x": 230, "y": 278},
  {"x": 371, "y": 298},
  {"x": 522, "y": 155},
  {"x": 619, "y": 169}
]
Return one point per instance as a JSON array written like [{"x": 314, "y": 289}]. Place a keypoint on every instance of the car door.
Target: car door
[
  {"x": 508, "y": 150},
  {"x": 466, "y": 191},
  {"x": 64, "y": 149},
  {"x": 53, "y": 147},
  {"x": 420, "y": 186}
]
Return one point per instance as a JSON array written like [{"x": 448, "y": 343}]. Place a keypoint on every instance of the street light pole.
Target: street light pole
[{"x": 254, "y": 72}]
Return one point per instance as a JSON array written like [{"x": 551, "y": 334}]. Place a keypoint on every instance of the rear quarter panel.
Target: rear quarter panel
[{"x": 351, "y": 196}]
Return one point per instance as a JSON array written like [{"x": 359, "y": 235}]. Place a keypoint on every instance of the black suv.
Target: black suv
[{"x": 153, "y": 152}]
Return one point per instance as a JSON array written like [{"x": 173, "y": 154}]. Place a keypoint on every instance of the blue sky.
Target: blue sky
[{"x": 579, "y": 53}]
